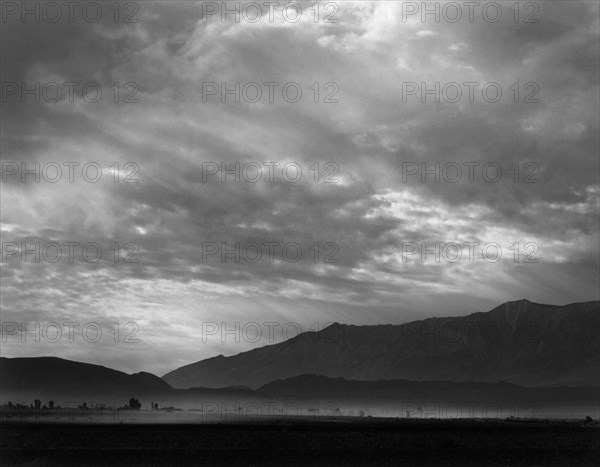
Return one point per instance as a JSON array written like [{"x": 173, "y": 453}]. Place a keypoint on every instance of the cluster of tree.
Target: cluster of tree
[
  {"x": 11, "y": 406},
  {"x": 133, "y": 404},
  {"x": 37, "y": 404}
]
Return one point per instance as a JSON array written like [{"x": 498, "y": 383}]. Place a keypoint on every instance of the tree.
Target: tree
[
  {"x": 38, "y": 403},
  {"x": 134, "y": 404},
  {"x": 51, "y": 404}
]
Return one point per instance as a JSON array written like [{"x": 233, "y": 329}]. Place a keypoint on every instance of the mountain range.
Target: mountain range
[
  {"x": 519, "y": 342},
  {"x": 70, "y": 384},
  {"x": 519, "y": 351}
]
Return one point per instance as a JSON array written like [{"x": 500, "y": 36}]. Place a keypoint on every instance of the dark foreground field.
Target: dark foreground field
[{"x": 367, "y": 442}]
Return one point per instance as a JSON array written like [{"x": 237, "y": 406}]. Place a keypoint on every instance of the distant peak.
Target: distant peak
[
  {"x": 522, "y": 303},
  {"x": 336, "y": 327}
]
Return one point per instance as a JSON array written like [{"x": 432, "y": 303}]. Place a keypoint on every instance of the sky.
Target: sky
[{"x": 359, "y": 171}]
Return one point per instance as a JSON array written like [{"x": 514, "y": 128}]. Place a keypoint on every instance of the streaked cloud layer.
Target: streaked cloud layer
[{"x": 370, "y": 135}]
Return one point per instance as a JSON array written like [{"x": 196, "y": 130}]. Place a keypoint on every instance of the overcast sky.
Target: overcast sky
[{"x": 368, "y": 144}]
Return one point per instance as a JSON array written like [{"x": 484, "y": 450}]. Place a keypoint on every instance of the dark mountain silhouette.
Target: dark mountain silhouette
[
  {"x": 67, "y": 382},
  {"x": 51, "y": 377},
  {"x": 519, "y": 342},
  {"x": 71, "y": 383},
  {"x": 340, "y": 389}
]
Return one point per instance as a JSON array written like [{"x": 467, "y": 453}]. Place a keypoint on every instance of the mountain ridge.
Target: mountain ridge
[{"x": 514, "y": 341}]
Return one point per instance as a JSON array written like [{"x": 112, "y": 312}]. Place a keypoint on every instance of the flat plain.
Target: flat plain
[{"x": 348, "y": 441}]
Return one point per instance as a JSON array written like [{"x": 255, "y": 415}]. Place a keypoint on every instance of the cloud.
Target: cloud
[{"x": 366, "y": 140}]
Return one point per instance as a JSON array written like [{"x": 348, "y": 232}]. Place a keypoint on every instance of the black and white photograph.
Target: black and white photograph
[{"x": 304, "y": 232}]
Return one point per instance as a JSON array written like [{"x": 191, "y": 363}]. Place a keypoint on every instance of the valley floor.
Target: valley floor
[{"x": 364, "y": 441}]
